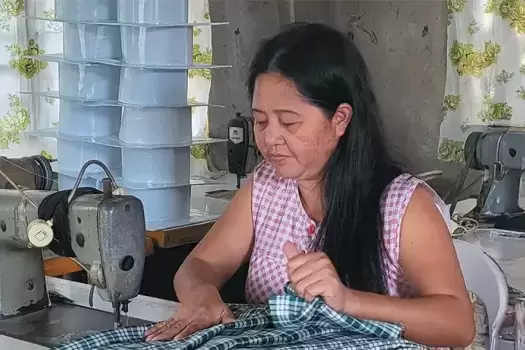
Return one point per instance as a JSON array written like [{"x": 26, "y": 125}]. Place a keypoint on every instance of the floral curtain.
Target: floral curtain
[
  {"x": 17, "y": 113},
  {"x": 485, "y": 82},
  {"x": 20, "y": 114}
]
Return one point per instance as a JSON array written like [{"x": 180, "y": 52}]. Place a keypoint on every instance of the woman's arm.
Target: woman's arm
[
  {"x": 443, "y": 315},
  {"x": 220, "y": 253}
]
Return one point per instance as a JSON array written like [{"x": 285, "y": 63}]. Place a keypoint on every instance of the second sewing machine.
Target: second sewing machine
[
  {"x": 498, "y": 153},
  {"x": 104, "y": 232}
]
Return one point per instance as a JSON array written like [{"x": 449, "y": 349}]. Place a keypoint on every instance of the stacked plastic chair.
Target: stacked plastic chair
[{"x": 123, "y": 81}]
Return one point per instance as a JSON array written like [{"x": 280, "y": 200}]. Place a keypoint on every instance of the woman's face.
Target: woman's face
[{"x": 294, "y": 136}]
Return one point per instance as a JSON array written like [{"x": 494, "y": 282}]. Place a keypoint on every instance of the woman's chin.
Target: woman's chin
[{"x": 286, "y": 170}]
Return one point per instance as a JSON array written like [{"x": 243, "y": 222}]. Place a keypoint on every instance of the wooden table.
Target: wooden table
[
  {"x": 170, "y": 238},
  {"x": 181, "y": 235}
]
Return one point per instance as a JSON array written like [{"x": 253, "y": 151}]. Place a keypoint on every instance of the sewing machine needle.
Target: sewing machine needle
[
  {"x": 116, "y": 315},
  {"x": 125, "y": 305}
]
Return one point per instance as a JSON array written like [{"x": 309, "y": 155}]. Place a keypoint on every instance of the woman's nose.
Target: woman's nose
[{"x": 273, "y": 135}]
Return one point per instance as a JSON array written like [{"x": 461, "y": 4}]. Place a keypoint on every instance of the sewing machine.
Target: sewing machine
[
  {"x": 500, "y": 153},
  {"x": 107, "y": 234}
]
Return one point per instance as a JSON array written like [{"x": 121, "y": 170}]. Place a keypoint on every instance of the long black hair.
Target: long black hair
[{"x": 328, "y": 70}]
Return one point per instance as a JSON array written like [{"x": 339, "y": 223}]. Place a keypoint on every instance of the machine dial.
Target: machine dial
[{"x": 39, "y": 233}]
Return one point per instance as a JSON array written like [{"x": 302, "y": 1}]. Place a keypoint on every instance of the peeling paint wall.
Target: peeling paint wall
[{"x": 403, "y": 41}]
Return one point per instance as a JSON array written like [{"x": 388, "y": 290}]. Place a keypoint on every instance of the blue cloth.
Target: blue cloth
[{"x": 287, "y": 322}]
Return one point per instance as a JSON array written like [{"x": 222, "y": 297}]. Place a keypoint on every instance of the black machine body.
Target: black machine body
[{"x": 242, "y": 152}]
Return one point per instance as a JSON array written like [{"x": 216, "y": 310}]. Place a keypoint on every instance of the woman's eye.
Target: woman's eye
[
  {"x": 288, "y": 124},
  {"x": 261, "y": 123}
]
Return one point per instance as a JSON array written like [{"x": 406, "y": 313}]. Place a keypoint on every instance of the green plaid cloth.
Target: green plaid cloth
[{"x": 287, "y": 322}]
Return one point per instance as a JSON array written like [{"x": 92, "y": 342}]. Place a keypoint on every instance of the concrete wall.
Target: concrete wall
[{"x": 403, "y": 41}]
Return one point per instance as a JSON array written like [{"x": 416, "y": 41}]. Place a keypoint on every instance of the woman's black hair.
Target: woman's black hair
[{"x": 328, "y": 70}]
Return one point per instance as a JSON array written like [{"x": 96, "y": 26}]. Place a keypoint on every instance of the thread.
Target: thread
[
  {"x": 30, "y": 172},
  {"x": 44, "y": 178},
  {"x": 55, "y": 207}
]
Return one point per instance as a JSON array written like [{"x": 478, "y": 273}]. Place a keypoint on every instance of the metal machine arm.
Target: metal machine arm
[{"x": 107, "y": 236}]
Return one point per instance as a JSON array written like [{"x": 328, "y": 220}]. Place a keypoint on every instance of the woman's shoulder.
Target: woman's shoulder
[
  {"x": 401, "y": 186},
  {"x": 404, "y": 185},
  {"x": 399, "y": 192}
]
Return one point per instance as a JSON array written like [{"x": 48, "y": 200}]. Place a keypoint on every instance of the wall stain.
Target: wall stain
[
  {"x": 424, "y": 32},
  {"x": 353, "y": 23},
  {"x": 373, "y": 37}
]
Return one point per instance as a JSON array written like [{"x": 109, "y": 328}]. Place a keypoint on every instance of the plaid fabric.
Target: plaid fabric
[
  {"x": 279, "y": 216},
  {"x": 287, "y": 322}
]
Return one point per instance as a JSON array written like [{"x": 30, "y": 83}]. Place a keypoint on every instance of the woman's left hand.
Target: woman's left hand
[{"x": 313, "y": 275}]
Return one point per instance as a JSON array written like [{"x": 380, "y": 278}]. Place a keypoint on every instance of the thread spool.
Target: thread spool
[{"x": 33, "y": 173}]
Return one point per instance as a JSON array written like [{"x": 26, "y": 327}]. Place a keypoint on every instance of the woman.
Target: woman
[{"x": 327, "y": 209}]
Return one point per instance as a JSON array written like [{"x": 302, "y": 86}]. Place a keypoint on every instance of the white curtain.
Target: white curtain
[
  {"x": 485, "y": 82},
  {"x": 21, "y": 113}
]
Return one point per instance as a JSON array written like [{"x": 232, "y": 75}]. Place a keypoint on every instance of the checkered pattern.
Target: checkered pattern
[
  {"x": 278, "y": 216},
  {"x": 287, "y": 322}
]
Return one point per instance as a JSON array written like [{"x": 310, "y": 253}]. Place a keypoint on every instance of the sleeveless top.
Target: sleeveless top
[{"x": 279, "y": 216}]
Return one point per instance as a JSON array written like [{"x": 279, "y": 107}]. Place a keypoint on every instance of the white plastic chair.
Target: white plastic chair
[{"x": 484, "y": 278}]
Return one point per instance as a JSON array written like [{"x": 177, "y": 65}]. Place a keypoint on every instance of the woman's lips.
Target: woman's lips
[{"x": 278, "y": 158}]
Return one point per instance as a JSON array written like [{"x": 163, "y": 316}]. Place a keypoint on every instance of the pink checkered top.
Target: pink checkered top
[{"x": 278, "y": 216}]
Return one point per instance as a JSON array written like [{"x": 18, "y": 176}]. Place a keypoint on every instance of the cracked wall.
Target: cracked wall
[{"x": 403, "y": 41}]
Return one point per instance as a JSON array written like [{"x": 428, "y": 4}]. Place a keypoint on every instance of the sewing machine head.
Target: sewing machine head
[
  {"x": 109, "y": 234},
  {"x": 107, "y": 237},
  {"x": 500, "y": 154}
]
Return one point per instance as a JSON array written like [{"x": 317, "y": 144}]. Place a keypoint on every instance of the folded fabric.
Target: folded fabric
[{"x": 287, "y": 322}]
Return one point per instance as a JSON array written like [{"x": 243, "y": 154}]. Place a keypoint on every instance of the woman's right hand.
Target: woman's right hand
[{"x": 188, "y": 320}]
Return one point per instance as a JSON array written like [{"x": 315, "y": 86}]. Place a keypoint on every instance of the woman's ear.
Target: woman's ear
[{"x": 341, "y": 118}]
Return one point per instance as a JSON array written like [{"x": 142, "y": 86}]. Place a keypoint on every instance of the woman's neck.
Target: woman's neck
[{"x": 311, "y": 195}]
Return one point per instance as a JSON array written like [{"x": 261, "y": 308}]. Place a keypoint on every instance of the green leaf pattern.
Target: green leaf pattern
[
  {"x": 473, "y": 27},
  {"x": 451, "y": 150},
  {"x": 8, "y": 10},
  {"x": 26, "y": 67},
  {"x": 451, "y": 102},
  {"x": 14, "y": 122},
  {"x": 504, "y": 77},
  {"x": 201, "y": 55},
  {"x": 199, "y": 151},
  {"x": 52, "y": 26},
  {"x": 467, "y": 61},
  {"x": 485, "y": 82},
  {"x": 46, "y": 155},
  {"x": 17, "y": 118},
  {"x": 494, "y": 111},
  {"x": 512, "y": 11}
]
